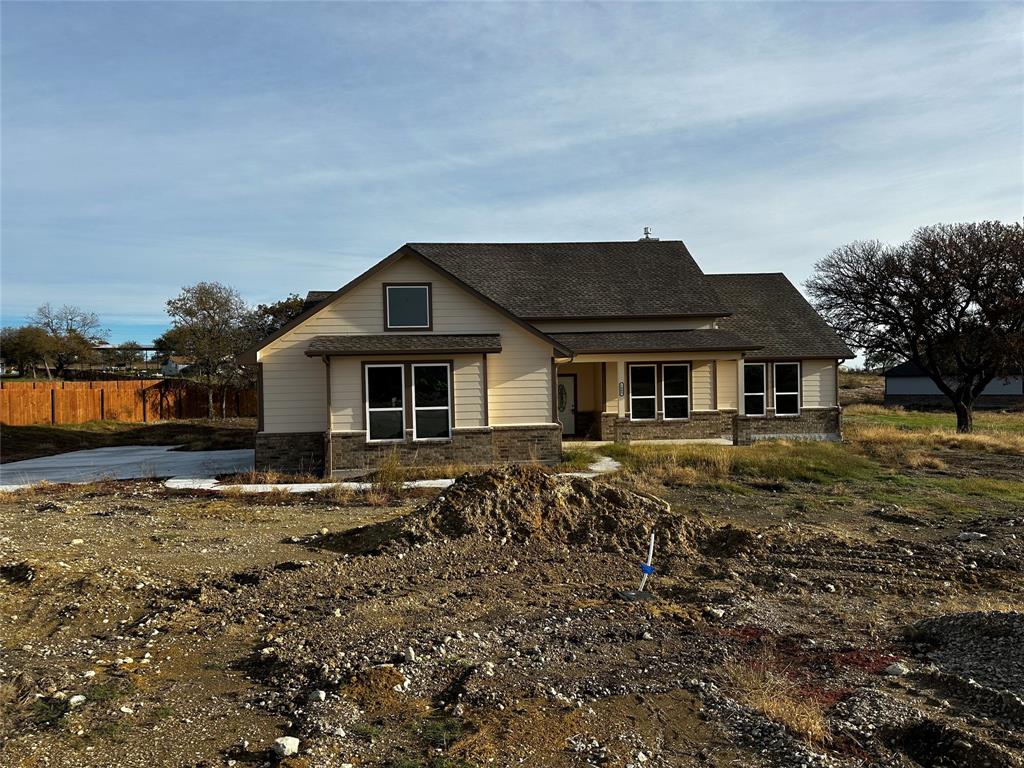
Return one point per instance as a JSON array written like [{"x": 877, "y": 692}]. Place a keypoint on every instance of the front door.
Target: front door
[{"x": 567, "y": 404}]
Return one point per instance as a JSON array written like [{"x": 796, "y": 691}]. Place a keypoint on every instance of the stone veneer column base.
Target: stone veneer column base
[
  {"x": 818, "y": 424},
  {"x": 473, "y": 445},
  {"x": 290, "y": 452}
]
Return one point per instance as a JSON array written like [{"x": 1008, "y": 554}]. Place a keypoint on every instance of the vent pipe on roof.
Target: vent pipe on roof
[{"x": 647, "y": 235}]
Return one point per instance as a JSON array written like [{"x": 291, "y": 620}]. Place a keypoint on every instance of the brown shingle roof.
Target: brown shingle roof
[
  {"x": 653, "y": 341},
  {"x": 534, "y": 281},
  {"x": 315, "y": 297},
  {"x": 404, "y": 344},
  {"x": 771, "y": 312}
]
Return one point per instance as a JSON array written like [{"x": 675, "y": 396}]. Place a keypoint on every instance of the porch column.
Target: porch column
[
  {"x": 739, "y": 387},
  {"x": 328, "y": 453},
  {"x": 620, "y": 387}
]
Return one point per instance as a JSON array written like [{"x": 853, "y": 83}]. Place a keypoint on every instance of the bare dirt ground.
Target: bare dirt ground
[{"x": 790, "y": 624}]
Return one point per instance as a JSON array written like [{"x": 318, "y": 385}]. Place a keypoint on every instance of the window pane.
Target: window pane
[
  {"x": 431, "y": 385},
  {"x": 432, "y": 424},
  {"x": 786, "y": 404},
  {"x": 753, "y": 378},
  {"x": 677, "y": 407},
  {"x": 386, "y": 425},
  {"x": 643, "y": 408},
  {"x": 787, "y": 378},
  {"x": 384, "y": 387},
  {"x": 677, "y": 380},
  {"x": 641, "y": 380},
  {"x": 408, "y": 306},
  {"x": 753, "y": 405}
]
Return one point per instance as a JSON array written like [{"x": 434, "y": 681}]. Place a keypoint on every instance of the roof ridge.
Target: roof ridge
[{"x": 538, "y": 242}]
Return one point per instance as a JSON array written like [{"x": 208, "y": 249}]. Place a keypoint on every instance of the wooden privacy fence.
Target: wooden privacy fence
[{"x": 76, "y": 402}]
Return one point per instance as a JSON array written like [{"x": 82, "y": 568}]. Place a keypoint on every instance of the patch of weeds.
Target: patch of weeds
[
  {"x": 115, "y": 730},
  {"x": 366, "y": 731},
  {"x": 110, "y": 690},
  {"x": 761, "y": 685},
  {"x": 576, "y": 459},
  {"x": 161, "y": 712},
  {"x": 441, "y": 732},
  {"x": 48, "y": 711}
]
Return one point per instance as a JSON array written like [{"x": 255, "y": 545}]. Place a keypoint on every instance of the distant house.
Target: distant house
[
  {"x": 174, "y": 365},
  {"x": 908, "y": 385},
  {"x": 496, "y": 352}
]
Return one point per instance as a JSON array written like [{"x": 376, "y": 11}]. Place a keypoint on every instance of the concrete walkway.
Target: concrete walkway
[
  {"x": 123, "y": 462},
  {"x": 188, "y": 470}
]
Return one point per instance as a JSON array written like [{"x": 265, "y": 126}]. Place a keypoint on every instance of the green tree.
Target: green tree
[
  {"x": 26, "y": 347},
  {"x": 209, "y": 324},
  {"x": 267, "y": 318},
  {"x": 950, "y": 299}
]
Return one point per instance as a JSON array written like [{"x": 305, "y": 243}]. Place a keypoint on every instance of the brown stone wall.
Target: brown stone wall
[
  {"x": 477, "y": 445},
  {"x": 942, "y": 402},
  {"x": 822, "y": 424},
  {"x": 290, "y": 451},
  {"x": 701, "y": 425}
]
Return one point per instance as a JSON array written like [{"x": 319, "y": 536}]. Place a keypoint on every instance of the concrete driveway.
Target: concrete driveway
[{"x": 125, "y": 462}]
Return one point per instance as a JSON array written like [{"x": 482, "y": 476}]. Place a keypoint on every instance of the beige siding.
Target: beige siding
[
  {"x": 294, "y": 385},
  {"x": 726, "y": 384},
  {"x": 818, "y": 382},
  {"x": 667, "y": 324},
  {"x": 702, "y": 384}
]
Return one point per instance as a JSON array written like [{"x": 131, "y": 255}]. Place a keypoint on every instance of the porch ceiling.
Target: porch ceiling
[
  {"x": 697, "y": 340},
  {"x": 404, "y": 344}
]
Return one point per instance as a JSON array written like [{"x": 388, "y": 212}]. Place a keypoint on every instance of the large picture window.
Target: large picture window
[
  {"x": 431, "y": 398},
  {"x": 753, "y": 389},
  {"x": 643, "y": 391},
  {"x": 407, "y": 307},
  {"x": 675, "y": 391},
  {"x": 787, "y": 389},
  {"x": 385, "y": 402}
]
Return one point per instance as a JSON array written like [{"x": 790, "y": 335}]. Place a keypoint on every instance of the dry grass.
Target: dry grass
[
  {"x": 336, "y": 494},
  {"x": 387, "y": 480},
  {"x": 761, "y": 685},
  {"x": 268, "y": 477},
  {"x": 878, "y": 440},
  {"x": 776, "y": 461}
]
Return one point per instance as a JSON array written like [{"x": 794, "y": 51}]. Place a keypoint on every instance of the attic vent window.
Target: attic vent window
[{"x": 407, "y": 307}]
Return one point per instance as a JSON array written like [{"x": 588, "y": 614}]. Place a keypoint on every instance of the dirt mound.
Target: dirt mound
[{"x": 526, "y": 504}]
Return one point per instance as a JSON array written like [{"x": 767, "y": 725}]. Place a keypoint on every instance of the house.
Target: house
[
  {"x": 174, "y": 365},
  {"x": 496, "y": 352},
  {"x": 908, "y": 385}
]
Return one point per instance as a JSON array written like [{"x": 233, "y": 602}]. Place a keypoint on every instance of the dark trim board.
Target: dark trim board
[{"x": 483, "y": 383}]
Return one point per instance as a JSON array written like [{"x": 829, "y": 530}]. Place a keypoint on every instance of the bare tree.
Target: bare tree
[
  {"x": 950, "y": 300},
  {"x": 209, "y": 326}
]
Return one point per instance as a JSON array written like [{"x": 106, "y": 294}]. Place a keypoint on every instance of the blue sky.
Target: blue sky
[{"x": 283, "y": 147}]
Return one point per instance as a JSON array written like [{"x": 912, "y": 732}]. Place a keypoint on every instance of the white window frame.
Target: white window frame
[
  {"x": 775, "y": 389},
  {"x": 633, "y": 397},
  {"x": 366, "y": 405},
  {"x": 763, "y": 393},
  {"x": 387, "y": 308},
  {"x": 415, "y": 408},
  {"x": 686, "y": 397}
]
